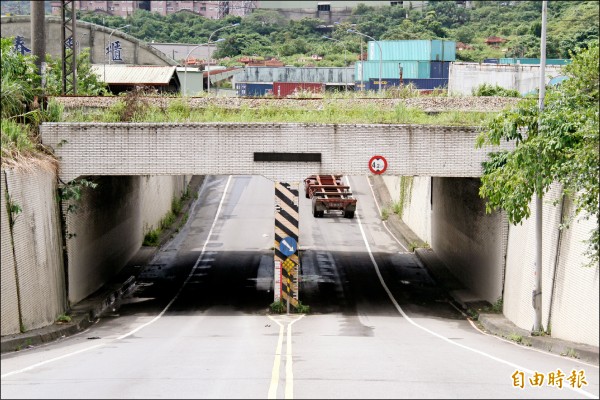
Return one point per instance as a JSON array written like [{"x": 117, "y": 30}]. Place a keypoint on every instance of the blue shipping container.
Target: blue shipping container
[
  {"x": 439, "y": 69},
  {"x": 253, "y": 89},
  {"x": 412, "y": 50},
  {"x": 491, "y": 60},
  {"x": 429, "y": 84},
  {"x": 358, "y": 86}
]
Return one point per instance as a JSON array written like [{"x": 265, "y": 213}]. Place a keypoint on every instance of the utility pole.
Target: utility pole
[
  {"x": 537, "y": 292},
  {"x": 38, "y": 33}
]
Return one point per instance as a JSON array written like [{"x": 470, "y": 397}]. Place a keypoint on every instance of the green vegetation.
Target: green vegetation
[
  {"x": 418, "y": 245},
  {"x": 570, "y": 353},
  {"x": 280, "y": 307},
  {"x": 385, "y": 214},
  {"x": 330, "y": 113},
  {"x": 515, "y": 337},
  {"x": 153, "y": 236},
  {"x": 560, "y": 144},
  {"x": 63, "y": 319},
  {"x": 266, "y": 33},
  {"x": 495, "y": 90},
  {"x": 21, "y": 110}
]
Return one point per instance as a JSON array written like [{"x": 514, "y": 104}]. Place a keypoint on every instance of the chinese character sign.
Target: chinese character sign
[
  {"x": 114, "y": 49},
  {"x": 20, "y": 45}
]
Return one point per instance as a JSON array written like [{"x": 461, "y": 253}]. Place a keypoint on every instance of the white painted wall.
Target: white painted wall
[
  {"x": 103, "y": 149},
  {"x": 464, "y": 77},
  {"x": 417, "y": 206}
]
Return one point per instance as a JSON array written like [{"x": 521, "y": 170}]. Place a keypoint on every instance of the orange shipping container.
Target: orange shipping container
[{"x": 284, "y": 89}]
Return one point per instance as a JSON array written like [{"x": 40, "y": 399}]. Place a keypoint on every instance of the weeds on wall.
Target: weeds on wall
[
  {"x": 13, "y": 209},
  {"x": 153, "y": 236}
]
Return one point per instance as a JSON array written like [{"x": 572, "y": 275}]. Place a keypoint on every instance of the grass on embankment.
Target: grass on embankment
[{"x": 179, "y": 111}]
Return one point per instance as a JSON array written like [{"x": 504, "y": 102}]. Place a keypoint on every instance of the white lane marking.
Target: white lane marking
[
  {"x": 401, "y": 311},
  {"x": 276, "y": 363},
  {"x": 147, "y": 323},
  {"x": 289, "y": 371}
]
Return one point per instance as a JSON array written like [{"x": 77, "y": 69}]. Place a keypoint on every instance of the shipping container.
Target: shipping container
[
  {"x": 284, "y": 89},
  {"x": 530, "y": 61},
  {"x": 420, "y": 84},
  {"x": 340, "y": 75},
  {"x": 253, "y": 89},
  {"x": 361, "y": 86},
  {"x": 439, "y": 69},
  {"x": 491, "y": 60},
  {"x": 365, "y": 70},
  {"x": 412, "y": 50},
  {"x": 430, "y": 84}
]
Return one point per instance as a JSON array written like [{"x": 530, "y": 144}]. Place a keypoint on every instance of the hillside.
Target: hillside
[{"x": 266, "y": 34}]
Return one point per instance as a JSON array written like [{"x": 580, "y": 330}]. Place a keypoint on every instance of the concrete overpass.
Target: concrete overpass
[{"x": 278, "y": 151}]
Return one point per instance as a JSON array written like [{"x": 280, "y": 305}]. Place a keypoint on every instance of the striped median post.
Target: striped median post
[{"x": 286, "y": 240}]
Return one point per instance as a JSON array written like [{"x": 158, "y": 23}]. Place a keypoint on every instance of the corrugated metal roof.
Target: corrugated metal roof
[{"x": 134, "y": 74}]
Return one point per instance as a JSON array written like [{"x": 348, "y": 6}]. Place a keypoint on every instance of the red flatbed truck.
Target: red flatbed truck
[{"x": 329, "y": 194}]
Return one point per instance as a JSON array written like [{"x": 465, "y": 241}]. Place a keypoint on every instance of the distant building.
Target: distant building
[
  {"x": 495, "y": 41},
  {"x": 208, "y": 9},
  {"x": 335, "y": 10}
]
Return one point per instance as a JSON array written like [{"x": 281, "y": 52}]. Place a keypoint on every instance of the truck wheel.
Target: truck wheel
[
  {"x": 316, "y": 213},
  {"x": 349, "y": 214}
]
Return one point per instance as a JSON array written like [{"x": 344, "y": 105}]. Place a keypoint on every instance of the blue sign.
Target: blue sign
[{"x": 288, "y": 246}]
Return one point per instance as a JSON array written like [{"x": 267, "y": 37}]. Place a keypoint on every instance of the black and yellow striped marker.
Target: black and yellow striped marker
[{"x": 286, "y": 225}]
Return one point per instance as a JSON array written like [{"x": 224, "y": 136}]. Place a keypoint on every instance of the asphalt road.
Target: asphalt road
[{"x": 198, "y": 324}]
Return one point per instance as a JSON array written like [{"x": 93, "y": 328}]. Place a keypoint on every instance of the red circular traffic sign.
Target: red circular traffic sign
[{"x": 378, "y": 164}]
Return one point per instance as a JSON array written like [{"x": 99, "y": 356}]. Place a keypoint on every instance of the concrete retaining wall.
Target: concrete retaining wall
[
  {"x": 32, "y": 262},
  {"x": 569, "y": 290},
  {"x": 109, "y": 226},
  {"x": 417, "y": 202},
  {"x": 104, "y": 231},
  {"x": 471, "y": 242},
  {"x": 464, "y": 77},
  {"x": 483, "y": 250}
]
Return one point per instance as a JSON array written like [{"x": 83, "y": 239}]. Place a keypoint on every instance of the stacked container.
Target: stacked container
[{"x": 425, "y": 63}]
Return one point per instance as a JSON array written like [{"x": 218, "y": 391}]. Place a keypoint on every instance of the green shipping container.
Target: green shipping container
[
  {"x": 412, "y": 50},
  {"x": 533, "y": 61},
  {"x": 391, "y": 69}
]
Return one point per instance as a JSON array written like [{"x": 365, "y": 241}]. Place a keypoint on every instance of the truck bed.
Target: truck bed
[{"x": 329, "y": 195}]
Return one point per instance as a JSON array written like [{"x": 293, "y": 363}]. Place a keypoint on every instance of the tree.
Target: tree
[{"x": 560, "y": 145}]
